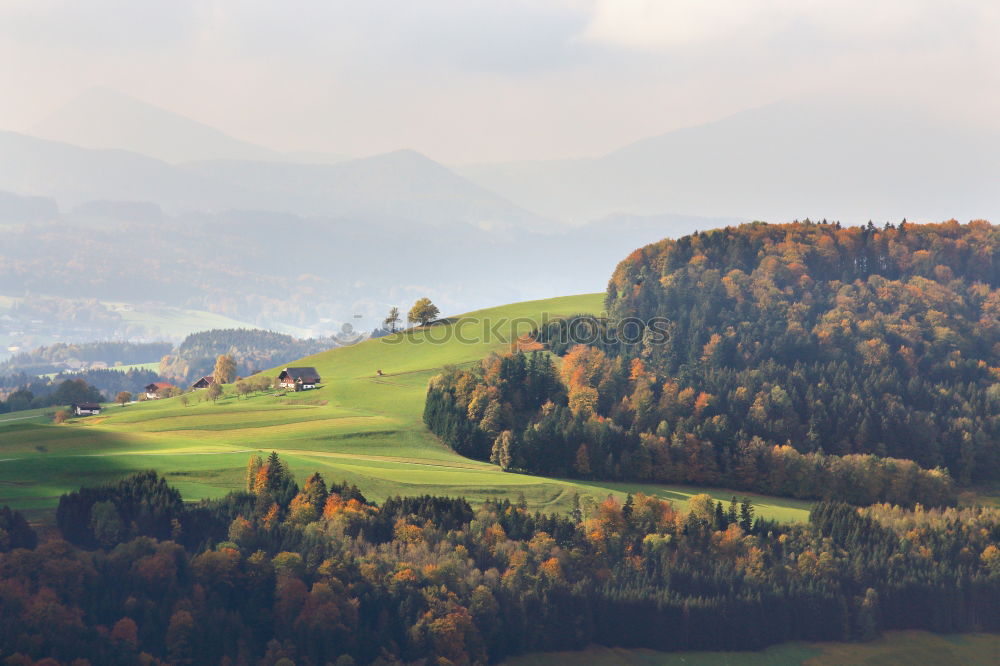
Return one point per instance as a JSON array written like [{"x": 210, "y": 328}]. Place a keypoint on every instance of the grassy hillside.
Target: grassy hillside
[{"x": 358, "y": 426}]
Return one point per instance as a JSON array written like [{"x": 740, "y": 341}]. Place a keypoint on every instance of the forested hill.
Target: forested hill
[
  {"x": 798, "y": 359},
  {"x": 850, "y": 340}
]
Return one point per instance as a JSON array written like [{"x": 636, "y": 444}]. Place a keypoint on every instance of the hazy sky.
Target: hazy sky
[{"x": 468, "y": 81}]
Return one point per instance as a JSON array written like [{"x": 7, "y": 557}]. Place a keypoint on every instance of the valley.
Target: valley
[
  {"x": 358, "y": 427},
  {"x": 612, "y": 333}
]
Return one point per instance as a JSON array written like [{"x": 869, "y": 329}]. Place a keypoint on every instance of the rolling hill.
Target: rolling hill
[
  {"x": 358, "y": 426},
  {"x": 73, "y": 175}
]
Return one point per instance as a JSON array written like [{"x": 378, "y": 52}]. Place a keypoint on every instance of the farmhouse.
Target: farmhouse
[
  {"x": 204, "y": 382},
  {"x": 299, "y": 379},
  {"x": 85, "y": 408},
  {"x": 153, "y": 390}
]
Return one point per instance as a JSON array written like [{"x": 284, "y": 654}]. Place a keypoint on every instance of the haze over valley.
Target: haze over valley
[{"x": 127, "y": 203}]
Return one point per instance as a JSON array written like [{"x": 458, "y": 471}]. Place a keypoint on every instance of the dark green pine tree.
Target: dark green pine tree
[
  {"x": 720, "y": 517},
  {"x": 733, "y": 515},
  {"x": 746, "y": 514},
  {"x": 275, "y": 472}
]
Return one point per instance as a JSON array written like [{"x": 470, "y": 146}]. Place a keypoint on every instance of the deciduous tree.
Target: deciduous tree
[
  {"x": 225, "y": 369},
  {"x": 423, "y": 312}
]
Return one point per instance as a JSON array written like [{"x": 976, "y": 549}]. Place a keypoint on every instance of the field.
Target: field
[
  {"x": 41, "y": 415},
  {"x": 902, "y": 648},
  {"x": 358, "y": 426}
]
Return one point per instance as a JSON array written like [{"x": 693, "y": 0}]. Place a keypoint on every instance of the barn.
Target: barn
[
  {"x": 154, "y": 390},
  {"x": 204, "y": 382}
]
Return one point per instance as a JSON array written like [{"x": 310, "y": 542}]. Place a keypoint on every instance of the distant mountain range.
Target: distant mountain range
[
  {"x": 108, "y": 147},
  {"x": 813, "y": 158},
  {"x": 785, "y": 161},
  {"x": 402, "y": 185}
]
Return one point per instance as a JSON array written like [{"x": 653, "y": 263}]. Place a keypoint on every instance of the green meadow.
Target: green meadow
[
  {"x": 895, "y": 648},
  {"x": 175, "y": 322},
  {"x": 358, "y": 426}
]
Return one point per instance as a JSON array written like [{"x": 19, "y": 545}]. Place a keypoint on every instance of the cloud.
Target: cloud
[
  {"x": 99, "y": 26},
  {"x": 481, "y": 80},
  {"x": 672, "y": 24},
  {"x": 653, "y": 24}
]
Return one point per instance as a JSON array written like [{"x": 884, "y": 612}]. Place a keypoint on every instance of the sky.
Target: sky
[{"x": 467, "y": 81}]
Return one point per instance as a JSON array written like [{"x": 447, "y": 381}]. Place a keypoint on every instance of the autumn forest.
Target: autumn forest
[{"x": 855, "y": 367}]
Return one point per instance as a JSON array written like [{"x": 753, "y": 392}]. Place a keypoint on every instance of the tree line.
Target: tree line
[
  {"x": 50, "y": 394},
  {"x": 602, "y": 418},
  {"x": 317, "y": 574}
]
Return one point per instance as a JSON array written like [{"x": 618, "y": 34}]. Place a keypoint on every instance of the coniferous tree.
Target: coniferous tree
[{"x": 392, "y": 319}]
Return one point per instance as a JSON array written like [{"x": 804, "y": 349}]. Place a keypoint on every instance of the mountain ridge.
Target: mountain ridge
[
  {"x": 103, "y": 118},
  {"x": 403, "y": 185}
]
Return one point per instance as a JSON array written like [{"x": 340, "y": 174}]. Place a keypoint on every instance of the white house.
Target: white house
[
  {"x": 299, "y": 379},
  {"x": 86, "y": 408}
]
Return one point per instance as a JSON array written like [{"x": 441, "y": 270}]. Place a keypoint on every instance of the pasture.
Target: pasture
[
  {"x": 358, "y": 426},
  {"x": 902, "y": 648}
]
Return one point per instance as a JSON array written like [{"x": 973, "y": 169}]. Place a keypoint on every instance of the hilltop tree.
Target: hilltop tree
[
  {"x": 393, "y": 319},
  {"x": 225, "y": 369},
  {"x": 423, "y": 312},
  {"x": 123, "y": 397},
  {"x": 214, "y": 392}
]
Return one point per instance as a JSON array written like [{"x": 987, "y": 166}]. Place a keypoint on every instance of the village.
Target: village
[{"x": 295, "y": 379}]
